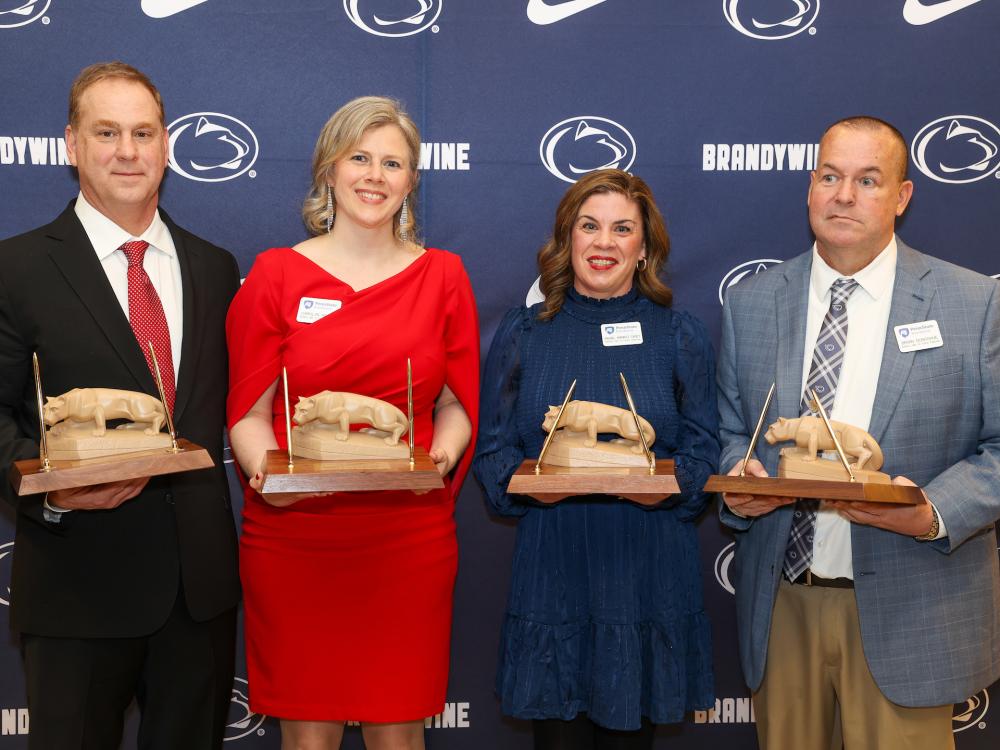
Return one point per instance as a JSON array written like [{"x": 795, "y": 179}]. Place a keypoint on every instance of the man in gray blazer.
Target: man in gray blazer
[{"x": 889, "y": 614}]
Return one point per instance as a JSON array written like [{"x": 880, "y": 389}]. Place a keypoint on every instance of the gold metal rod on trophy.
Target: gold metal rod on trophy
[
  {"x": 555, "y": 426},
  {"x": 163, "y": 399},
  {"x": 757, "y": 429},
  {"x": 817, "y": 406},
  {"x": 631, "y": 405},
  {"x": 409, "y": 408},
  {"x": 43, "y": 442},
  {"x": 288, "y": 419}
]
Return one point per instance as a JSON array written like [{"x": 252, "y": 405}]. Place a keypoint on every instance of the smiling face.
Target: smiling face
[
  {"x": 370, "y": 181},
  {"x": 857, "y": 192},
  {"x": 119, "y": 147},
  {"x": 607, "y": 242}
]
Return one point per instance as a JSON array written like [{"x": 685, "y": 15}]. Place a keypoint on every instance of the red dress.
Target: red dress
[{"x": 348, "y": 598}]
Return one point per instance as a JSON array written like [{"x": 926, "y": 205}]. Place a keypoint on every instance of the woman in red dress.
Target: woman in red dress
[{"x": 348, "y": 596}]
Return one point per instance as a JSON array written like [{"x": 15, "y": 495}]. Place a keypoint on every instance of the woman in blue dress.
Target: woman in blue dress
[{"x": 605, "y": 634}]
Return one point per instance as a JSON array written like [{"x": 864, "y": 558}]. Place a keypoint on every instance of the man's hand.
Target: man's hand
[
  {"x": 910, "y": 520},
  {"x": 751, "y": 506},
  {"x": 97, "y": 496}
]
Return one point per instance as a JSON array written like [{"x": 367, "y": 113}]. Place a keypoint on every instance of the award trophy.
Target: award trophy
[
  {"x": 574, "y": 462},
  {"x": 803, "y": 473},
  {"x": 324, "y": 455},
  {"x": 78, "y": 449}
]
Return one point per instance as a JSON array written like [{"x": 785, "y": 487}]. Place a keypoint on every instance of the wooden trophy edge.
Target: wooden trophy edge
[
  {"x": 28, "y": 478},
  {"x": 554, "y": 484},
  {"x": 817, "y": 489},
  {"x": 350, "y": 475}
]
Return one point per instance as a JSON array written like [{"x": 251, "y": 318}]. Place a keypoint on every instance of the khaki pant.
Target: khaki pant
[{"x": 816, "y": 671}]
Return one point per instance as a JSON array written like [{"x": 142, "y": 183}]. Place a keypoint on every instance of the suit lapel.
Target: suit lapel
[
  {"x": 911, "y": 300},
  {"x": 74, "y": 256},
  {"x": 190, "y": 263},
  {"x": 791, "y": 303}
]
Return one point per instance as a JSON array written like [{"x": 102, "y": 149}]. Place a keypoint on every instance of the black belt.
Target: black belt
[{"x": 808, "y": 579}]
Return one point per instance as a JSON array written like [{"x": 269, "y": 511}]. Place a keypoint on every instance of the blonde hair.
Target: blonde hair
[
  {"x": 555, "y": 258},
  {"x": 341, "y": 133}
]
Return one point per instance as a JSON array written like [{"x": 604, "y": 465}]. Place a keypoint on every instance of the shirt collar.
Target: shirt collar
[
  {"x": 107, "y": 237},
  {"x": 875, "y": 279}
]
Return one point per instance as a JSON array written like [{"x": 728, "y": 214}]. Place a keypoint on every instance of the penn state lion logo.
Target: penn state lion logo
[
  {"x": 759, "y": 20},
  {"x": 211, "y": 147},
  {"x": 6, "y": 557},
  {"x": 393, "y": 17},
  {"x": 723, "y": 562},
  {"x": 578, "y": 145},
  {"x": 736, "y": 275},
  {"x": 14, "y": 13},
  {"x": 957, "y": 149},
  {"x": 241, "y": 721},
  {"x": 971, "y": 713}
]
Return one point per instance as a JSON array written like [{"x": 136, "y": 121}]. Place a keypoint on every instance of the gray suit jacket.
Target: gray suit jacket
[{"x": 930, "y": 611}]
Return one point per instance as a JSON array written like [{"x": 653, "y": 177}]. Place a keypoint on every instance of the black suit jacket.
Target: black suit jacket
[{"x": 114, "y": 573}]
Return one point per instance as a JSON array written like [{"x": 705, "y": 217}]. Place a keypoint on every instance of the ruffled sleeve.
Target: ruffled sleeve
[
  {"x": 462, "y": 355},
  {"x": 500, "y": 451},
  {"x": 697, "y": 454},
  {"x": 254, "y": 335}
]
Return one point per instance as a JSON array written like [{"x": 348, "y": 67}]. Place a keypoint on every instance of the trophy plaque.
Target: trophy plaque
[
  {"x": 78, "y": 449},
  {"x": 325, "y": 455},
  {"x": 802, "y": 472},
  {"x": 574, "y": 462}
]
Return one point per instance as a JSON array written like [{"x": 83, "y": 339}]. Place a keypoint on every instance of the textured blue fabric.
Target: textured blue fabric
[{"x": 605, "y": 610}]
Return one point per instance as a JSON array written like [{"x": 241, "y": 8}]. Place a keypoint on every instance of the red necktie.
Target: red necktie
[{"x": 145, "y": 314}]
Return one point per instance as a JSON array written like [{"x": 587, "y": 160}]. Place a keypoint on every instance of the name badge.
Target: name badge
[
  {"x": 621, "y": 334},
  {"x": 914, "y": 337},
  {"x": 312, "y": 309}
]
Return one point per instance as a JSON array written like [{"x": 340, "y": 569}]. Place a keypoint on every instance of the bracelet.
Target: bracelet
[{"x": 934, "y": 530}]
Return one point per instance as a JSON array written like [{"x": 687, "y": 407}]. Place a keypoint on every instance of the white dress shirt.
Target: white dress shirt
[
  {"x": 162, "y": 266},
  {"x": 867, "y": 321},
  {"x": 160, "y": 262}
]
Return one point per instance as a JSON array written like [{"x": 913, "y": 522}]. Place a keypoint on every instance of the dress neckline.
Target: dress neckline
[
  {"x": 593, "y": 310},
  {"x": 413, "y": 263}
]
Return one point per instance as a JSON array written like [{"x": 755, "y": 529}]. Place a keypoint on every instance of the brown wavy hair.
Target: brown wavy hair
[{"x": 555, "y": 258}]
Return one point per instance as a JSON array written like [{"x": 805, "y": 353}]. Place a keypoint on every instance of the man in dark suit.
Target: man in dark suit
[
  {"x": 889, "y": 613},
  {"x": 125, "y": 589}
]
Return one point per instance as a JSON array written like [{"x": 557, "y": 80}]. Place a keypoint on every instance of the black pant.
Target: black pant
[
  {"x": 181, "y": 676},
  {"x": 580, "y": 733}
]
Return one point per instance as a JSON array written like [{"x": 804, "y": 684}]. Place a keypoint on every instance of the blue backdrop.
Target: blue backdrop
[{"x": 717, "y": 104}]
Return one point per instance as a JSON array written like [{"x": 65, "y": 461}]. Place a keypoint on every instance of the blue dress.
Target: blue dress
[{"x": 605, "y": 612}]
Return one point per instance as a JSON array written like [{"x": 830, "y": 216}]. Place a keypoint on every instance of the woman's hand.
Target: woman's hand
[
  {"x": 441, "y": 459},
  {"x": 452, "y": 431}
]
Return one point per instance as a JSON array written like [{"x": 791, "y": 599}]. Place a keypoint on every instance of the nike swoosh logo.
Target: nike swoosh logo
[
  {"x": 917, "y": 13},
  {"x": 164, "y": 8},
  {"x": 544, "y": 13}
]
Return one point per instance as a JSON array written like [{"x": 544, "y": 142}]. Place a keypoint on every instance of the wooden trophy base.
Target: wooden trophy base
[
  {"x": 28, "y": 477},
  {"x": 310, "y": 475},
  {"x": 819, "y": 479},
  {"x": 554, "y": 483}
]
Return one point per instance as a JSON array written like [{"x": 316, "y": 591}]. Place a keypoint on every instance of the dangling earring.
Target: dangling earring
[
  {"x": 640, "y": 265},
  {"x": 329, "y": 209},
  {"x": 404, "y": 220}
]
